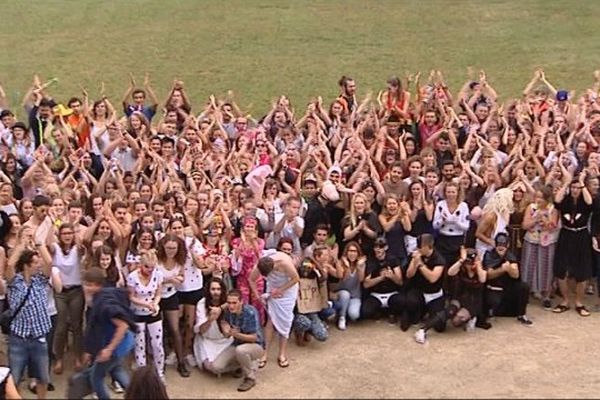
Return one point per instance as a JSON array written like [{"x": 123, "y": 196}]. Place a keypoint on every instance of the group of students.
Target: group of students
[{"x": 213, "y": 231}]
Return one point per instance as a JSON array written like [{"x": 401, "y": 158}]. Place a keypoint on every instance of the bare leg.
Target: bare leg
[
  {"x": 173, "y": 325},
  {"x": 564, "y": 291},
  {"x": 283, "y": 342},
  {"x": 580, "y": 288},
  {"x": 189, "y": 313},
  {"x": 269, "y": 332}
]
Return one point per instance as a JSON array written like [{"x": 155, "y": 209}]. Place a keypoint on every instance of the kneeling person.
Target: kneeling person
[
  {"x": 383, "y": 281},
  {"x": 467, "y": 297},
  {"x": 505, "y": 294},
  {"x": 241, "y": 322}
]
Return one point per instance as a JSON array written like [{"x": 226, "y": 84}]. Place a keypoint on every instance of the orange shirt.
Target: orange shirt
[{"x": 84, "y": 135}]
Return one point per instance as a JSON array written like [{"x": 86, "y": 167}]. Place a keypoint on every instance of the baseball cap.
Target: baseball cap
[
  {"x": 310, "y": 177},
  {"x": 471, "y": 255},
  {"x": 562, "y": 95},
  {"x": 380, "y": 242},
  {"x": 502, "y": 239},
  {"x": 19, "y": 125}
]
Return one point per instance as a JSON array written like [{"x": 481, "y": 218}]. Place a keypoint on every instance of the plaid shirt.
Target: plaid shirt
[
  {"x": 247, "y": 322},
  {"x": 33, "y": 320}
]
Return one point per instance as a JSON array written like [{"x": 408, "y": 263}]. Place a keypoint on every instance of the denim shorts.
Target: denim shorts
[{"x": 30, "y": 353}]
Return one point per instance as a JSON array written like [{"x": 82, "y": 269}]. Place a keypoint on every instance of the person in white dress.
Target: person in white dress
[
  {"x": 280, "y": 299},
  {"x": 209, "y": 342}
]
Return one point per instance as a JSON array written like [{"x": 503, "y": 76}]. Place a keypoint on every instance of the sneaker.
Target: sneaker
[
  {"x": 420, "y": 336},
  {"x": 116, "y": 387},
  {"x": 191, "y": 360},
  {"x": 524, "y": 320},
  {"x": 470, "y": 326},
  {"x": 183, "y": 371},
  {"x": 246, "y": 385},
  {"x": 547, "y": 304},
  {"x": 590, "y": 290},
  {"x": 483, "y": 325},
  {"x": 342, "y": 324},
  {"x": 171, "y": 359}
]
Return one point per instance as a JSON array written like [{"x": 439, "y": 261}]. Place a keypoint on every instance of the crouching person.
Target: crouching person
[
  {"x": 466, "y": 298},
  {"x": 505, "y": 294},
  {"x": 241, "y": 322},
  {"x": 210, "y": 343},
  {"x": 312, "y": 299}
]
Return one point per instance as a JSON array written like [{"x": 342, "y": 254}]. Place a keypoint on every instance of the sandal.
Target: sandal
[
  {"x": 262, "y": 363},
  {"x": 582, "y": 311},
  {"x": 561, "y": 308},
  {"x": 283, "y": 362}
]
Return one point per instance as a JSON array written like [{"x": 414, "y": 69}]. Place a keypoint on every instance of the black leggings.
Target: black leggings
[
  {"x": 437, "y": 315},
  {"x": 510, "y": 302}
]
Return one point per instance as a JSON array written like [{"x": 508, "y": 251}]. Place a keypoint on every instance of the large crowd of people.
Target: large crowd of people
[{"x": 182, "y": 234}]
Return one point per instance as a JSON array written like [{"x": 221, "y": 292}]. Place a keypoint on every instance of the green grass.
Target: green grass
[{"x": 261, "y": 49}]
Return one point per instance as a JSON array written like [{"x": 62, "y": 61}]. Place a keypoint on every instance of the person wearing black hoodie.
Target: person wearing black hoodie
[{"x": 109, "y": 336}]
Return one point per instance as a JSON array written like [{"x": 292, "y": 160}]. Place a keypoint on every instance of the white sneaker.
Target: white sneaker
[
  {"x": 116, "y": 387},
  {"x": 470, "y": 326},
  {"x": 420, "y": 336},
  {"x": 191, "y": 360},
  {"x": 342, "y": 324},
  {"x": 171, "y": 359}
]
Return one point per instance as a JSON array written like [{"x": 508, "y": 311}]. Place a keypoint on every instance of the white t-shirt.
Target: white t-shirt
[
  {"x": 192, "y": 276},
  {"x": 168, "y": 289},
  {"x": 146, "y": 293},
  {"x": 51, "y": 302}
]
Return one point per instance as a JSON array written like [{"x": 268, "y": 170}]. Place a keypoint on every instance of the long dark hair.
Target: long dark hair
[
  {"x": 135, "y": 240},
  {"x": 181, "y": 255},
  {"x": 112, "y": 272},
  {"x": 62, "y": 245},
  {"x": 222, "y": 299},
  {"x": 146, "y": 384}
]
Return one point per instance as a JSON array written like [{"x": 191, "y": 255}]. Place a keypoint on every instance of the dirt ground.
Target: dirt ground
[{"x": 557, "y": 357}]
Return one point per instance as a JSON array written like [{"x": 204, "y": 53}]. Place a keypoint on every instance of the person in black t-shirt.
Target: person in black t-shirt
[
  {"x": 466, "y": 298},
  {"x": 505, "y": 294},
  {"x": 383, "y": 281},
  {"x": 426, "y": 272}
]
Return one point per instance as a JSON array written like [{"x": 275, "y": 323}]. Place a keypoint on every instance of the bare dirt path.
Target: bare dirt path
[{"x": 558, "y": 357}]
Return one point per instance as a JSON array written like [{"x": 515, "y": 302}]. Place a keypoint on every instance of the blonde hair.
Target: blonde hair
[
  {"x": 501, "y": 202},
  {"x": 353, "y": 211},
  {"x": 149, "y": 258}
]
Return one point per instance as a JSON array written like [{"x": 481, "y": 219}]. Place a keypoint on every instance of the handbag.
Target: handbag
[{"x": 7, "y": 317}]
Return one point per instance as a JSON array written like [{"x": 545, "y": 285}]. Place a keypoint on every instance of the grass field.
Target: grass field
[{"x": 264, "y": 48}]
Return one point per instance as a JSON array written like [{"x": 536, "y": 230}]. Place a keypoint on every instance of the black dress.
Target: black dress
[{"x": 573, "y": 256}]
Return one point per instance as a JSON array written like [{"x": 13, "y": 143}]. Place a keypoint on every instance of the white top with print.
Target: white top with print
[
  {"x": 192, "y": 276},
  {"x": 145, "y": 293}
]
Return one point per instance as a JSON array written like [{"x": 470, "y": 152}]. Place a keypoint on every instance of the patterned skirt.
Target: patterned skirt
[{"x": 537, "y": 263}]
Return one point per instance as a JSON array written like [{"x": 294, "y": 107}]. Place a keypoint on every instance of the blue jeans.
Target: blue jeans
[
  {"x": 348, "y": 306},
  {"x": 98, "y": 371},
  {"x": 311, "y": 323},
  {"x": 30, "y": 353}
]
